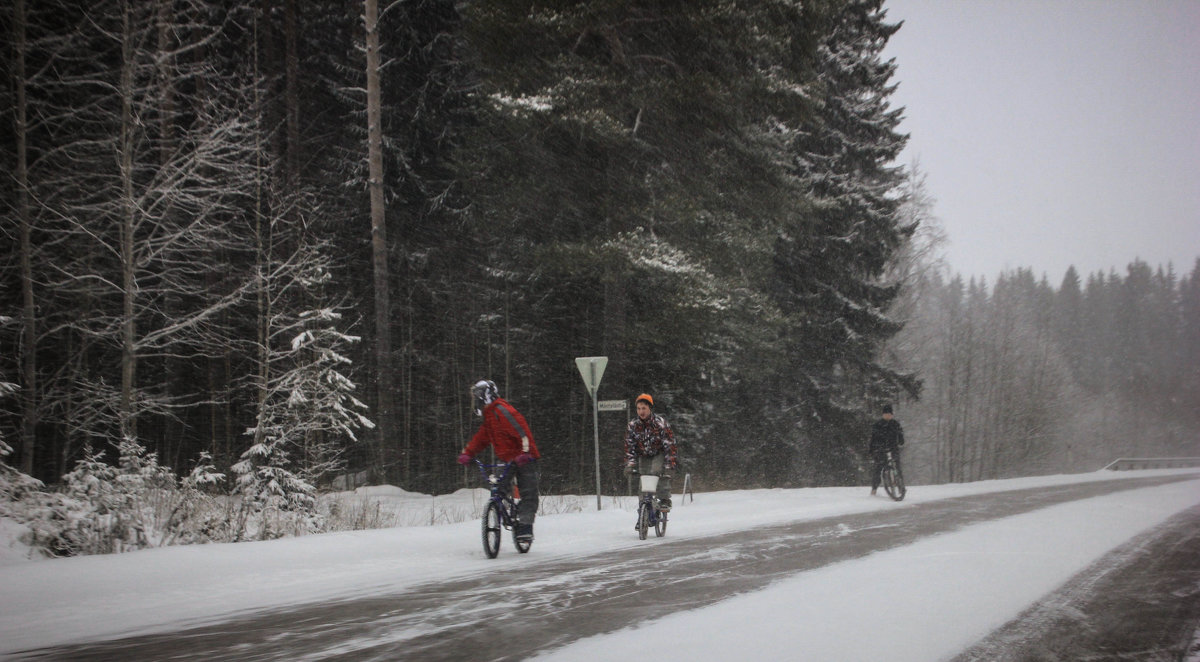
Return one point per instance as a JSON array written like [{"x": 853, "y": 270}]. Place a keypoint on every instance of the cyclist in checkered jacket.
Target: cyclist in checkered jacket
[{"x": 650, "y": 448}]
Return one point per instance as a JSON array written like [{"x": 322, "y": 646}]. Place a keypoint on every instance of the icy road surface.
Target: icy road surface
[{"x": 592, "y": 605}]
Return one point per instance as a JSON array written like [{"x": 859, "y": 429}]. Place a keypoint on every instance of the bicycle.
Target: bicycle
[
  {"x": 501, "y": 510},
  {"x": 648, "y": 513},
  {"x": 893, "y": 480}
]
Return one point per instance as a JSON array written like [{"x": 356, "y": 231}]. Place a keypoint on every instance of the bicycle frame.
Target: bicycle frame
[
  {"x": 649, "y": 516},
  {"x": 500, "y": 511},
  {"x": 497, "y": 486},
  {"x": 893, "y": 479},
  {"x": 655, "y": 513}
]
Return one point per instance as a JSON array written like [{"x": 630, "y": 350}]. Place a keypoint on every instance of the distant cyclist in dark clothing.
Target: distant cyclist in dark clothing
[{"x": 886, "y": 437}]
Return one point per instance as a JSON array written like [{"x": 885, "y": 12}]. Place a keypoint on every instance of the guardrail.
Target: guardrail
[{"x": 1130, "y": 463}]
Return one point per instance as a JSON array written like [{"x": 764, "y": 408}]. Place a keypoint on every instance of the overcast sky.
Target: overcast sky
[{"x": 1055, "y": 132}]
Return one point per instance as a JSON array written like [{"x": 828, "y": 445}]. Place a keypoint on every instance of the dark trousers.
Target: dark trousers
[{"x": 527, "y": 485}]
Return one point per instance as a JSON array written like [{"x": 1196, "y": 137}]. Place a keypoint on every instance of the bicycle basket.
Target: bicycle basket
[{"x": 649, "y": 483}]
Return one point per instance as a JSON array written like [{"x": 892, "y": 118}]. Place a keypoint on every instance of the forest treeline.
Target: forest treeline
[
  {"x": 1025, "y": 378},
  {"x": 278, "y": 240}
]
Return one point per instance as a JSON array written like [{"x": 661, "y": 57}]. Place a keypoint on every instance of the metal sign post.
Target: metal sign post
[{"x": 592, "y": 370}]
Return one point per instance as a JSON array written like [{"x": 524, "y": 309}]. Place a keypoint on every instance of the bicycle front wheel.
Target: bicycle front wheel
[
  {"x": 660, "y": 526},
  {"x": 643, "y": 524},
  {"x": 491, "y": 529},
  {"x": 893, "y": 482}
]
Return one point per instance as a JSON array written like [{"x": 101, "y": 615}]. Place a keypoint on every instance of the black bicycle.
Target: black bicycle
[
  {"x": 649, "y": 516},
  {"x": 501, "y": 509},
  {"x": 893, "y": 480}
]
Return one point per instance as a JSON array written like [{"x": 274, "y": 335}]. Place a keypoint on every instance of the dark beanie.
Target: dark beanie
[{"x": 887, "y": 409}]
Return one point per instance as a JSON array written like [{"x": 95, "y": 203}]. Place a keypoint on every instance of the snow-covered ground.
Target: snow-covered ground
[{"x": 945, "y": 592}]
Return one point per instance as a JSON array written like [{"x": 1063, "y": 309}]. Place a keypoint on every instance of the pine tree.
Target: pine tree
[
  {"x": 832, "y": 255},
  {"x": 306, "y": 401},
  {"x": 632, "y": 152},
  {"x": 306, "y": 412}
]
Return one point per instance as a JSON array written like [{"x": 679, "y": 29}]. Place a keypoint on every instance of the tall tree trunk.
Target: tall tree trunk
[
  {"x": 166, "y": 77},
  {"x": 128, "y": 222},
  {"x": 262, "y": 245},
  {"x": 24, "y": 214},
  {"x": 170, "y": 445},
  {"x": 379, "y": 245},
  {"x": 292, "y": 94}
]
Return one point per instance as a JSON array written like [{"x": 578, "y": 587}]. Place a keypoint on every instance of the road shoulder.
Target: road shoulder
[{"x": 1140, "y": 601}]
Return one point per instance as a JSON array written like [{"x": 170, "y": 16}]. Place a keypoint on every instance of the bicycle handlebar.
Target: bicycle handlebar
[
  {"x": 480, "y": 463},
  {"x": 483, "y": 468}
]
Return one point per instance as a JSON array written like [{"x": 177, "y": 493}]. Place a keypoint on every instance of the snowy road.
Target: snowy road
[
  {"x": 543, "y": 607},
  {"x": 1140, "y": 602}
]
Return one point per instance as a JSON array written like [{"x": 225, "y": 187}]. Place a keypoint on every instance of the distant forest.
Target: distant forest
[
  {"x": 1023, "y": 378},
  {"x": 281, "y": 239}
]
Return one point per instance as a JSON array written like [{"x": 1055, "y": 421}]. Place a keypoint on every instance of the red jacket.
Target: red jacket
[{"x": 499, "y": 432}]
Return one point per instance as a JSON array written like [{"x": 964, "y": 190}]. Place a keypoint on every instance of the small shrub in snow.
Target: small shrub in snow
[
  {"x": 350, "y": 513},
  {"x": 274, "y": 501},
  {"x": 197, "y": 514},
  {"x": 23, "y": 500},
  {"x": 15, "y": 487},
  {"x": 110, "y": 509},
  {"x": 103, "y": 509}
]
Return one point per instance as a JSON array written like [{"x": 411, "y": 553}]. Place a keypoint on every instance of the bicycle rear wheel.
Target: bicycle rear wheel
[
  {"x": 660, "y": 526},
  {"x": 893, "y": 482},
  {"x": 643, "y": 520},
  {"x": 491, "y": 529}
]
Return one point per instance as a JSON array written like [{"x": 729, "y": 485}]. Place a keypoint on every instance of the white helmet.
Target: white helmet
[{"x": 483, "y": 393}]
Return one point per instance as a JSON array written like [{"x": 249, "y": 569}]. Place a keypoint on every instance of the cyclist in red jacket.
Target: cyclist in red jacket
[{"x": 505, "y": 430}]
